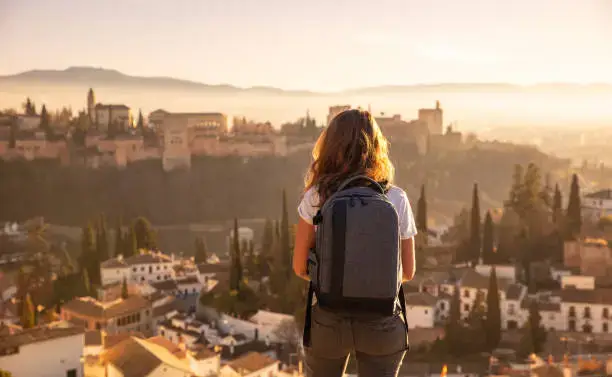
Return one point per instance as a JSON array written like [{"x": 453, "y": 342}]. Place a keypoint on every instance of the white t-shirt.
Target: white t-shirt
[{"x": 310, "y": 205}]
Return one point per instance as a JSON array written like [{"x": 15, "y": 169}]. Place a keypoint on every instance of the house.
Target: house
[
  {"x": 45, "y": 351},
  {"x": 94, "y": 343},
  {"x": 146, "y": 266},
  {"x": 552, "y": 318},
  {"x": 596, "y": 205},
  {"x": 512, "y": 314},
  {"x": 253, "y": 364},
  {"x": 108, "y": 116},
  {"x": 587, "y": 310},
  {"x": 112, "y": 291},
  {"x": 208, "y": 271},
  {"x": 204, "y": 362},
  {"x": 421, "y": 310},
  {"x": 122, "y": 315},
  {"x": 136, "y": 357},
  {"x": 188, "y": 286},
  {"x": 592, "y": 256}
]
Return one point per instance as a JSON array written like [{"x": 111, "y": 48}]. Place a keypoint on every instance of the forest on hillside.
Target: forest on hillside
[{"x": 220, "y": 189}]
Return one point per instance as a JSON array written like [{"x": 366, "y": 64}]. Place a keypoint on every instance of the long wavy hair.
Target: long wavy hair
[{"x": 352, "y": 144}]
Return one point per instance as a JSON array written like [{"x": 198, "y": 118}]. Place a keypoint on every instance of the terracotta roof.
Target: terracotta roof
[
  {"x": 148, "y": 258},
  {"x": 188, "y": 280},
  {"x": 547, "y": 371},
  {"x": 113, "y": 263},
  {"x": 37, "y": 334},
  {"x": 93, "y": 338},
  {"x": 421, "y": 299},
  {"x": 211, "y": 268},
  {"x": 166, "y": 308},
  {"x": 251, "y": 362},
  {"x": 514, "y": 292},
  {"x": 601, "y": 296},
  {"x": 204, "y": 353},
  {"x": 166, "y": 285},
  {"x": 163, "y": 342},
  {"x": 112, "y": 340},
  {"x": 90, "y": 307},
  {"x": 137, "y": 357}
]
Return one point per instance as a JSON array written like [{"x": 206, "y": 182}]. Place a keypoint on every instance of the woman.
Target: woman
[{"x": 352, "y": 144}]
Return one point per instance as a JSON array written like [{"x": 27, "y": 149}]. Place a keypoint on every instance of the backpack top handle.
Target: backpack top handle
[{"x": 349, "y": 180}]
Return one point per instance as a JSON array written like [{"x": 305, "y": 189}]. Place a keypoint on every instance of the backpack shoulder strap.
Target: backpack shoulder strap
[{"x": 349, "y": 180}]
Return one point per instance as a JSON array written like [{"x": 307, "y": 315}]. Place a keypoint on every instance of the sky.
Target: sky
[{"x": 315, "y": 44}]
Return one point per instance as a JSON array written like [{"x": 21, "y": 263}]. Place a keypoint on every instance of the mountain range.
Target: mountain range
[{"x": 101, "y": 77}]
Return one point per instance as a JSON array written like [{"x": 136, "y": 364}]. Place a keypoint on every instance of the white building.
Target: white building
[
  {"x": 147, "y": 266},
  {"x": 253, "y": 364},
  {"x": 597, "y": 205},
  {"x": 421, "y": 310},
  {"x": 587, "y": 310},
  {"x": 245, "y": 235},
  {"x": 43, "y": 352}
]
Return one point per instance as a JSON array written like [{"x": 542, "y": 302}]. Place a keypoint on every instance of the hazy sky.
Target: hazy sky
[{"x": 315, "y": 44}]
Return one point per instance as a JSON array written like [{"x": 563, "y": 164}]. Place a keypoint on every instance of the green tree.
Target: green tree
[
  {"x": 45, "y": 123},
  {"x": 493, "y": 319},
  {"x": 145, "y": 235},
  {"x": 488, "y": 240},
  {"x": 574, "y": 218},
  {"x": 131, "y": 244},
  {"x": 421, "y": 217},
  {"x": 557, "y": 210},
  {"x": 475, "y": 241},
  {"x": 124, "y": 289},
  {"x": 201, "y": 254},
  {"x": 28, "y": 313},
  {"x": 87, "y": 260}
]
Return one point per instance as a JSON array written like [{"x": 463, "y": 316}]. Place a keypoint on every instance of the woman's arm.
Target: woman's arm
[
  {"x": 304, "y": 241},
  {"x": 408, "y": 262}
]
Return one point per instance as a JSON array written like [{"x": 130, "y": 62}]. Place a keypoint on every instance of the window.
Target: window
[
  {"x": 466, "y": 307},
  {"x": 142, "y": 278},
  {"x": 587, "y": 312},
  {"x": 134, "y": 269},
  {"x": 571, "y": 325},
  {"x": 71, "y": 373},
  {"x": 98, "y": 326},
  {"x": 194, "y": 290},
  {"x": 604, "y": 327},
  {"x": 605, "y": 313},
  {"x": 142, "y": 269},
  {"x": 162, "y": 332},
  {"x": 442, "y": 305},
  {"x": 466, "y": 293},
  {"x": 158, "y": 277},
  {"x": 158, "y": 268},
  {"x": 150, "y": 269},
  {"x": 572, "y": 311}
]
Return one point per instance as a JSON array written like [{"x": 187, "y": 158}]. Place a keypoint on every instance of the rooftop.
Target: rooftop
[
  {"x": 601, "y": 296},
  {"x": 90, "y": 307},
  {"x": 421, "y": 299},
  {"x": 145, "y": 257},
  {"x": 138, "y": 357},
  {"x": 514, "y": 292},
  {"x": 251, "y": 362},
  {"x": 36, "y": 335}
]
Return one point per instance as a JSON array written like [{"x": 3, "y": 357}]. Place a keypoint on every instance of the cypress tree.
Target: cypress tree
[
  {"x": 421, "y": 218},
  {"x": 87, "y": 258},
  {"x": 267, "y": 241},
  {"x": 201, "y": 254},
  {"x": 86, "y": 282},
  {"x": 453, "y": 325},
  {"x": 488, "y": 243},
  {"x": 124, "y": 289},
  {"x": 145, "y": 235},
  {"x": 285, "y": 247},
  {"x": 557, "y": 211},
  {"x": 236, "y": 267},
  {"x": 140, "y": 124},
  {"x": 131, "y": 244},
  {"x": 119, "y": 242},
  {"x": 45, "y": 123},
  {"x": 493, "y": 319},
  {"x": 28, "y": 313},
  {"x": 475, "y": 242},
  {"x": 538, "y": 333},
  {"x": 102, "y": 240},
  {"x": 574, "y": 218}
]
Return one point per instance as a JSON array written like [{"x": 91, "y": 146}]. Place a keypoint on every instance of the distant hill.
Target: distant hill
[{"x": 91, "y": 76}]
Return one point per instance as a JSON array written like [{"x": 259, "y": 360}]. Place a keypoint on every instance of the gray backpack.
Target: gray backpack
[{"x": 355, "y": 267}]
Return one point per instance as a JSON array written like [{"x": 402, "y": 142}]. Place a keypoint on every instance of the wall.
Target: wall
[
  {"x": 578, "y": 282},
  {"x": 151, "y": 273},
  {"x": 420, "y": 316},
  {"x": 113, "y": 275},
  {"x": 46, "y": 359},
  {"x": 168, "y": 371},
  {"x": 595, "y": 321},
  {"x": 206, "y": 367}
]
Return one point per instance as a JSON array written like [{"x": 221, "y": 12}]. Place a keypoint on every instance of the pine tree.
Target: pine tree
[
  {"x": 421, "y": 217},
  {"x": 493, "y": 320},
  {"x": 45, "y": 123},
  {"x": 28, "y": 313},
  {"x": 574, "y": 218},
  {"x": 557, "y": 211},
  {"x": 124, "y": 289},
  {"x": 140, "y": 124},
  {"x": 285, "y": 245},
  {"x": 488, "y": 240},
  {"x": 475, "y": 241}
]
